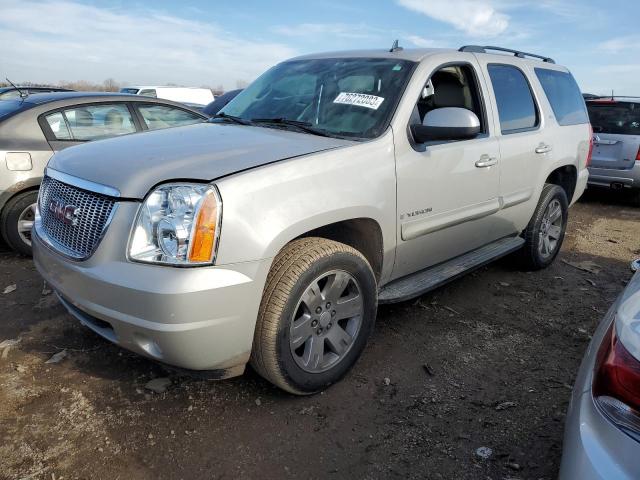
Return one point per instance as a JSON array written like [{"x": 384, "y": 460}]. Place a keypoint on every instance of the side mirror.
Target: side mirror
[
  {"x": 448, "y": 123},
  {"x": 635, "y": 265}
]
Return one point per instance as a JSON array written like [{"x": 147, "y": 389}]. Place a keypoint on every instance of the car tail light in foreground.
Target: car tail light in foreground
[
  {"x": 616, "y": 383},
  {"x": 638, "y": 155}
]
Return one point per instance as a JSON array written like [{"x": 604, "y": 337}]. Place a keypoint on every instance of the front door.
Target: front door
[{"x": 448, "y": 191}]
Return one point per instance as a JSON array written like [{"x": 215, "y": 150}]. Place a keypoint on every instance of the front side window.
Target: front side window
[
  {"x": 450, "y": 86},
  {"x": 347, "y": 97},
  {"x": 564, "y": 96},
  {"x": 516, "y": 106},
  {"x": 611, "y": 116},
  {"x": 162, "y": 116},
  {"x": 93, "y": 122}
]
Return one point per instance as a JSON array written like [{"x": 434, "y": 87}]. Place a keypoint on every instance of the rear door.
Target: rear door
[
  {"x": 616, "y": 128},
  {"x": 524, "y": 142}
]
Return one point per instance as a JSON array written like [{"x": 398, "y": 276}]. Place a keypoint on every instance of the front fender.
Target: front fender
[{"x": 267, "y": 207}]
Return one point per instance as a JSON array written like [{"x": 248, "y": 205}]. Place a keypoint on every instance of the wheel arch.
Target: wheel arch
[
  {"x": 29, "y": 185},
  {"x": 364, "y": 234},
  {"x": 565, "y": 177}
]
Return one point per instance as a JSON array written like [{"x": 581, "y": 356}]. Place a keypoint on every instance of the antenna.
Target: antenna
[
  {"x": 22, "y": 94},
  {"x": 395, "y": 47}
]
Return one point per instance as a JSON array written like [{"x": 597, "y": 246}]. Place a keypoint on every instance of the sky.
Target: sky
[{"x": 229, "y": 43}]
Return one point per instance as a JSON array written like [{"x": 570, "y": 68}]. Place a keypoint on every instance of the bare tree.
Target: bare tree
[{"x": 110, "y": 85}]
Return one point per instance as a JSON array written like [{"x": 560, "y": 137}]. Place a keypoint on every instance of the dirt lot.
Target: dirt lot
[{"x": 486, "y": 361}]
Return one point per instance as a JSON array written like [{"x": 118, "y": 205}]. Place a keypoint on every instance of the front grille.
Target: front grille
[{"x": 76, "y": 237}]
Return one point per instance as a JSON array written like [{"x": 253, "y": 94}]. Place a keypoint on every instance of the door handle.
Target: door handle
[
  {"x": 486, "y": 161},
  {"x": 543, "y": 148}
]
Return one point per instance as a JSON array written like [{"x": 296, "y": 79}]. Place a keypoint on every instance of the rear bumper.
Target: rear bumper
[
  {"x": 197, "y": 318},
  {"x": 605, "y": 177},
  {"x": 594, "y": 448}
]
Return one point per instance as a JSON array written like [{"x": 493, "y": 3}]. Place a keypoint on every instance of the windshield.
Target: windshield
[
  {"x": 351, "y": 97},
  {"x": 610, "y": 116},
  {"x": 129, "y": 90}
]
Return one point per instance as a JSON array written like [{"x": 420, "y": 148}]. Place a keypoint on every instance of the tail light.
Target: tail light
[
  {"x": 638, "y": 155},
  {"x": 591, "y": 146},
  {"x": 616, "y": 383}
]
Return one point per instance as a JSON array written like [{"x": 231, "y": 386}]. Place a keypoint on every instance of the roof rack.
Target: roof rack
[{"x": 517, "y": 53}]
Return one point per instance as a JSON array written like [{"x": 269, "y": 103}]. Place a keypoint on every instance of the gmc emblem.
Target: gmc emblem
[{"x": 67, "y": 214}]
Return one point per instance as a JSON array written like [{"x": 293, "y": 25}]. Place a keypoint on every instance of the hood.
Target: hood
[
  {"x": 628, "y": 317},
  {"x": 135, "y": 163}
]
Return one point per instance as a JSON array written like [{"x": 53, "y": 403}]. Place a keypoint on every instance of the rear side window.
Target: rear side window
[
  {"x": 58, "y": 126},
  {"x": 615, "y": 117},
  {"x": 516, "y": 107},
  {"x": 92, "y": 122},
  {"x": 161, "y": 116},
  {"x": 564, "y": 96}
]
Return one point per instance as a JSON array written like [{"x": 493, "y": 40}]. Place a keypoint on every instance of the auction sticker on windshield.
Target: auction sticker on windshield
[{"x": 359, "y": 99}]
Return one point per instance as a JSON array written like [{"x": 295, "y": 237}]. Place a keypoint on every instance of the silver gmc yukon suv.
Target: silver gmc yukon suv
[{"x": 333, "y": 183}]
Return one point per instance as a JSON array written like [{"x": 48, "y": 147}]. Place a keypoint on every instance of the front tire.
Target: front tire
[
  {"x": 318, "y": 310},
  {"x": 545, "y": 232},
  {"x": 17, "y": 220}
]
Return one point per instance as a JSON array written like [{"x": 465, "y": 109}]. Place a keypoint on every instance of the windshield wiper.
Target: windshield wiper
[
  {"x": 304, "y": 126},
  {"x": 238, "y": 120}
]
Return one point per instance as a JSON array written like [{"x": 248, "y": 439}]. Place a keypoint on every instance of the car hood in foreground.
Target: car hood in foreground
[
  {"x": 135, "y": 163},
  {"x": 628, "y": 317}
]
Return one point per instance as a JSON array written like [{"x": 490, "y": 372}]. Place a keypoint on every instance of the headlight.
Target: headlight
[{"x": 178, "y": 224}]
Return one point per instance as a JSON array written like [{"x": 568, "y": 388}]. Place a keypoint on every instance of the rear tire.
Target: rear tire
[
  {"x": 635, "y": 198},
  {"x": 544, "y": 235},
  {"x": 16, "y": 221},
  {"x": 318, "y": 310}
]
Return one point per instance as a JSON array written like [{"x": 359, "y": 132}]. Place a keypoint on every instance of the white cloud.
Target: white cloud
[
  {"x": 620, "y": 44},
  {"x": 71, "y": 41},
  {"x": 476, "y": 18},
  {"x": 342, "y": 30},
  {"x": 422, "y": 42}
]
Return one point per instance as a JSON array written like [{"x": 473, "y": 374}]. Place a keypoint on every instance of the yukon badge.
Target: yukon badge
[{"x": 67, "y": 214}]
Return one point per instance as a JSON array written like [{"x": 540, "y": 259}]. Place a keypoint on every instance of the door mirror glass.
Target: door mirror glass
[
  {"x": 448, "y": 123},
  {"x": 635, "y": 265}
]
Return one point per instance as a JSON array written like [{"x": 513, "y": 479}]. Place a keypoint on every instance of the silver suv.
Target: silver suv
[
  {"x": 616, "y": 148},
  {"x": 331, "y": 184}
]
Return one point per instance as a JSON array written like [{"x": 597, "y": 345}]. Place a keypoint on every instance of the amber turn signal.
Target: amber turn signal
[{"x": 204, "y": 234}]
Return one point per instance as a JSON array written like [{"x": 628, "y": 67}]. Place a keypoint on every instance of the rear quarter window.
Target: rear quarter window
[{"x": 564, "y": 96}]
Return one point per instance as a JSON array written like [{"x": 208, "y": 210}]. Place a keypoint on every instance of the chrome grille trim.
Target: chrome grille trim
[
  {"x": 76, "y": 241},
  {"x": 81, "y": 183}
]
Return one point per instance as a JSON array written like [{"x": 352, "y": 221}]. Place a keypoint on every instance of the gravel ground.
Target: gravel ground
[{"x": 486, "y": 361}]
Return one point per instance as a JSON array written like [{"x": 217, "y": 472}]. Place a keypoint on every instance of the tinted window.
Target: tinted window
[
  {"x": 564, "y": 96},
  {"x": 516, "y": 107},
  {"x": 58, "y": 126},
  {"x": 161, "y": 116},
  {"x": 132, "y": 91},
  {"x": 615, "y": 117},
  {"x": 92, "y": 122}
]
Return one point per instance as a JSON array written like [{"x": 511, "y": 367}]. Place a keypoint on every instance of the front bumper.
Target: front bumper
[
  {"x": 197, "y": 318},
  {"x": 605, "y": 177},
  {"x": 594, "y": 448}
]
